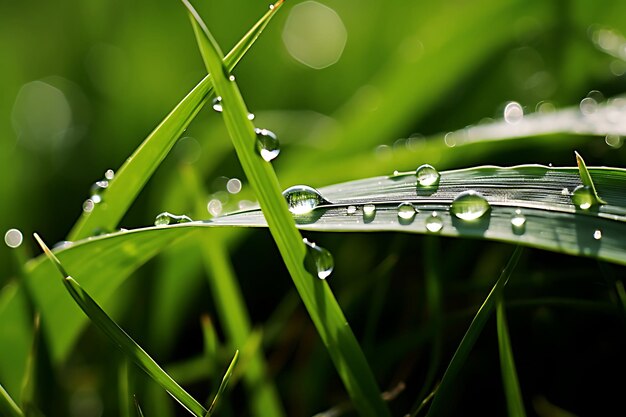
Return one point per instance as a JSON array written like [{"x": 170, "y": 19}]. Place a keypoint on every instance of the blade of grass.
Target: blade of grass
[
  {"x": 122, "y": 339},
  {"x": 512, "y": 391},
  {"x": 437, "y": 408},
  {"x": 8, "y": 407},
  {"x": 29, "y": 383},
  {"x": 139, "y": 412},
  {"x": 318, "y": 299},
  {"x": 139, "y": 167},
  {"x": 223, "y": 384},
  {"x": 585, "y": 177}
]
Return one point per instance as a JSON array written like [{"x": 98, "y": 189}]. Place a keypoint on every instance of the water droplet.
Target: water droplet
[
  {"x": 217, "y": 104},
  {"x": 588, "y": 106},
  {"x": 396, "y": 173},
  {"x": 513, "y": 113},
  {"x": 434, "y": 223},
  {"x": 251, "y": 116},
  {"x": 518, "y": 219},
  {"x": 88, "y": 205},
  {"x": 233, "y": 185},
  {"x": 469, "y": 205},
  {"x": 267, "y": 144},
  {"x": 214, "y": 207},
  {"x": 406, "y": 213},
  {"x": 271, "y": 7},
  {"x": 564, "y": 191},
  {"x": 63, "y": 244},
  {"x": 369, "y": 212},
  {"x": 97, "y": 189},
  {"x": 231, "y": 78},
  {"x": 427, "y": 175},
  {"x": 583, "y": 197},
  {"x": 597, "y": 235},
  {"x": 318, "y": 261},
  {"x": 13, "y": 238},
  {"x": 351, "y": 209},
  {"x": 302, "y": 199},
  {"x": 109, "y": 174},
  {"x": 614, "y": 141},
  {"x": 166, "y": 218}
]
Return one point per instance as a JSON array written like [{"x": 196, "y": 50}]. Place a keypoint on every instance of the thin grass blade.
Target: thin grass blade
[
  {"x": 585, "y": 177},
  {"x": 438, "y": 406},
  {"x": 223, "y": 384},
  {"x": 138, "y": 408},
  {"x": 321, "y": 304},
  {"x": 123, "y": 340},
  {"x": 512, "y": 391},
  {"x": 8, "y": 407},
  {"x": 29, "y": 383}
]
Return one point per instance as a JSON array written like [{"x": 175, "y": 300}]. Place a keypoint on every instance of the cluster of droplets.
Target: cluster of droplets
[{"x": 97, "y": 190}]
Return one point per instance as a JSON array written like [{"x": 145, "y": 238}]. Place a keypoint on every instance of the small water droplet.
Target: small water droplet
[
  {"x": 88, "y": 205},
  {"x": 396, "y": 173},
  {"x": 564, "y": 191},
  {"x": 513, "y": 113},
  {"x": 406, "y": 213},
  {"x": 469, "y": 205},
  {"x": 271, "y": 7},
  {"x": 582, "y": 197},
  {"x": 597, "y": 235},
  {"x": 267, "y": 144},
  {"x": 251, "y": 116},
  {"x": 351, "y": 210},
  {"x": 217, "y": 104},
  {"x": 518, "y": 219},
  {"x": 302, "y": 199},
  {"x": 231, "y": 78},
  {"x": 369, "y": 212},
  {"x": 318, "y": 261},
  {"x": 233, "y": 185},
  {"x": 427, "y": 175},
  {"x": 109, "y": 174},
  {"x": 166, "y": 218},
  {"x": 63, "y": 244},
  {"x": 13, "y": 238},
  {"x": 97, "y": 189},
  {"x": 434, "y": 223}
]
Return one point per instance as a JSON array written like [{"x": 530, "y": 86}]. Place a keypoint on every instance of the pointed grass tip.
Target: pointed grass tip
[
  {"x": 585, "y": 177},
  {"x": 51, "y": 256}
]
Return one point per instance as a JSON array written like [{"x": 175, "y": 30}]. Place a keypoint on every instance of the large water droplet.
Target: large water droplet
[
  {"x": 13, "y": 238},
  {"x": 369, "y": 212},
  {"x": 267, "y": 144},
  {"x": 217, "y": 104},
  {"x": 427, "y": 175},
  {"x": 434, "y": 223},
  {"x": 302, "y": 199},
  {"x": 318, "y": 261},
  {"x": 583, "y": 197},
  {"x": 166, "y": 218},
  {"x": 469, "y": 205},
  {"x": 406, "y": 213}
]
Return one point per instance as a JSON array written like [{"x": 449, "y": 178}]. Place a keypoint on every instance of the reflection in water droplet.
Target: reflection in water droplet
[
  {"x": 369, "y": 211},
  {"x": 583, "y": 197},
  {"x": 597, "y": 235},
  {"x": 588, "y": 106},
  {"x": 469, "y": 205},
  {"x": 109, "y": 174},
  {"x": 88, "y": 205},
  {"x": 217, "y": 104},
  {"x": 406, "y": 213},
  {"x": 233, "y": 185},
  {"x": 614, "y": 141},
  {"x": 513, "y": 113},
  {"x": 267, "y": 144},
  {"x": 302, "y": 199},
  {"x": 351, "y": 210},
  {"x": 13, "y": 238},
  {"x": 318, "y": 261},
  {"x": 427, "y": 175},
  {"x": 166, "y": 218},
  {"x": 434, "y": 223}
]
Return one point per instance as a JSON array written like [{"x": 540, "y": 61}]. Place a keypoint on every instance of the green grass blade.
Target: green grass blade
[
  {"x": 512, "y": 391},
  {"x": 319, "y": 301},
  {"x": 438, "y": 406},
  {"x": 139, "y": 167},
  {"x": 585, "y": 177},
  {"x": 8, "y": 407},
  {"x": 223, "y": 384},
  {"x": 123, "y": 340},
  {"x": 139, "y": 412},
  {"x": 29, "y": 383}
]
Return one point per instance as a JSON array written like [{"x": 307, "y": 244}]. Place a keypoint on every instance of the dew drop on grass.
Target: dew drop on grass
[
  {"x": 588, "y": 106},
  {"x": 267, "y": 144},
  {"x": 406, "y": 213},
  {"x": 513, "y": 113},
  {"x": 564, "y": 191},
  {"x": 97, "y": 189},
  {"x": 217, "y": 104},
  {"x": 434, "y": 223},
  {"x": 318, "y": 261},
  {"x": 302, "y": 199},
  {"x": 469, "y": 205},
  {"x": 251, "y": 116},
  {"x": 518, "y": 222},
  {"x": 166, "y": 218},
  {"x": 109, "y": 174},
  {"x": 351, "y": 210},
  {"x": 88, "y": 205},
  {"x": 369, "y": 211},
  {"x": 582, "y": 197},
  {"x": 13, "y": 238},
  {"x": 63, "y": 244},
  {"x": 427, "y": 176},
  {"x": 597, "y": 235}
]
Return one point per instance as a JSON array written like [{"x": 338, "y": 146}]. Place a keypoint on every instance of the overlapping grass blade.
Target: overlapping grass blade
[
  {"x": 438, "y": 406},
  {"x": 139, "y": 167},
  {"x": 223, "y": 384},
  {"x": 321, "y": 304},
  {"x": 586, "y": 179},
  {"x": 8, "y": 407},
  {"x": 512, "y": 391},
  {"x": 123, "y": 340}
]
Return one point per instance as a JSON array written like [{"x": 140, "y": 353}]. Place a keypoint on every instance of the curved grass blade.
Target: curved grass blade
[
  {"x": 8, "y": 407},
  {"x": 438, "y": 407},
  {"x": 318, "y": 299},
  {"x": 123, "y": 340},
  {"x": 223, "y": 384},
  {"x": 585, "y": 177},
  {"x": 140, "y": 166},
  {"x": 512, "y": 391}
]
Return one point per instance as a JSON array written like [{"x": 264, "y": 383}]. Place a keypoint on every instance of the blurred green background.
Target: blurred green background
[{"x": 343, "y": 84}]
